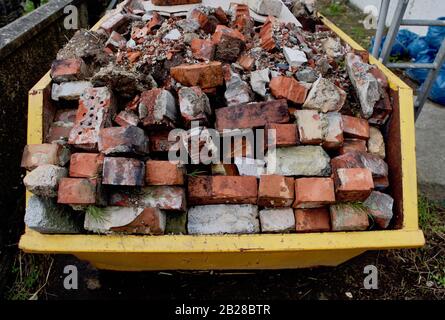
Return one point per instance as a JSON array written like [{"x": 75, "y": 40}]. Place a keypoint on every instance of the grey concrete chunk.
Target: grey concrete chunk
[
  {"x": 258, "y": 81},
  {"x": 366, "y": 85},
  {"x": 299, "y": 161},
  {"x": 45, "y": 216},
  {"x": 69, "y": 90},
  {"x": 294, "y": 57},
  {"x": 376, "y": 144},
  {"x": 266, "y": 7},
  {"x": 380, "y": 207},
  {"x": 325, "y": 96},
  {"x": 223, "y": 218},
  {"x": 44, "y": 180},
  {"x": 307, "y": 75},
  {"x": 237, "y": 91},
  {"x": 277, "y": 220}
]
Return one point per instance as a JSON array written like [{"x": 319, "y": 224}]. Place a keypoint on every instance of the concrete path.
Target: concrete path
[{"x": 430, "y": 151}]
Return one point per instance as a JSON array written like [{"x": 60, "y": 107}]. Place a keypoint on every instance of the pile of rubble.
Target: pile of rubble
[{"x": 120, "y": 91}]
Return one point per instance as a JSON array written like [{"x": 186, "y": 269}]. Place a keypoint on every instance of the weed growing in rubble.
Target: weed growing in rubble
[{"x": 96, "y": 214}]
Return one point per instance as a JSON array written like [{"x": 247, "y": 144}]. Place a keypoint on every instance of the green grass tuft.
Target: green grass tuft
[{"x": 95, "y": 213}]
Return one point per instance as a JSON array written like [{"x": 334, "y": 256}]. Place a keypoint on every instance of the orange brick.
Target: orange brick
[
  {"x": 353, "y": 184},
  {"x": 266, "y": 34},
  {"x": 275, "y": 191},
  {"x": 68, "y": 70},
  {"x": 286, "y": 134},
  {"x": 312, "y": 220},
  {"x": 246, "y": 61},
  {"x": 202, "y": 49},
  {"x": 85, "y": 165},
  {"x": 222, "y": 189},
  {"x": 353, "y": 145},
  {"x": 163, "y": 173},
  {"x": 203, "y": 75},
  {"x": 313, "y": 192},
  {"x": 289, "y": 88},
  {"x": 77, "y": 191},
  {"x": 355, "y": 127}
]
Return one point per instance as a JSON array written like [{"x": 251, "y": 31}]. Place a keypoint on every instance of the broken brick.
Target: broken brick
[
  {"x": 284, "y": 134},
  {"x": 116, "y": 140},
  {"x": 355, "y": 159},
  {"x": 333, "y": 131},
  {"x": 380, "y": 208},
  {"x": 203, "y": 75},
  {"x": 310, "y": 126},
  {"x": 222, "y": 189},
  {"x": 69, "y": 90},
  {"x": 382, "y": 110},
  {"x": 252, "y": 115},
  {"x": 194, "y": 105},
  {"x": 346, "y": 217},
  {"x": 246, "y": 62},
  {"x": 237, "y": 90},
  {"x": 275, "y": 191},
  {"x": 96, "y": 109},
  {"x": 44, "y": 180},
  {"x": 313, "y": 192},
  {"x": 126, "y": 118},
  {"x": 229, "y": 43},
  {"x": 355, "y": 127},
  {"x": 376, "y": 143},
  {"x": 288, "y": 88},
  {"x": 114, "y": 22},
  {"x": 35, "y": 155},
  {"x": 163, "y": 173},
  {"x": 148, "y": 221},
  {"x": 116, "y": 42},
  {"x": 312, "y": 220},
  {"x": 77, "y": 191},
  {"x": 221, "y": 15},
  {"x": 123, "y": 171},
  {"x": 162, "y": 197},
  {"x": 202, "y": 49},
  {"x": 68, "y": 70},
  {"x": 267, "y": 34},
  {"x": 325, "y": 96},
  {"x": 157, "y": 109},
  {"x": 353, "y": 184},
  {"x": 381, "y": 183},
  {"x": 221, "y": 169},
  {"x": 86, "y": 165},
  {"x": 158, "y": 141}
]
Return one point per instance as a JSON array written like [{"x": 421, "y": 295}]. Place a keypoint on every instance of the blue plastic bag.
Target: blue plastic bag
[
  {"x": 435, "y": 35},
  {"x": 397, "y": 49},
  {"x": 437, "y": 93},
  {"x": 426, "y": 56},
  {"x": 417, "y": 46},
  {"x": 405, "y": 37}
]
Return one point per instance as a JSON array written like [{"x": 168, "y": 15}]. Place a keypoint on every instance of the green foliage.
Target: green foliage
[
  {"x": 430, "y": 215},
  {"x": 195, "y": 173},
  {"x": 96, "y": 214}
]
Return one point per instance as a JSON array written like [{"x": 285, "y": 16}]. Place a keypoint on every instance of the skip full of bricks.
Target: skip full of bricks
[{"x": 104, "y": 167}]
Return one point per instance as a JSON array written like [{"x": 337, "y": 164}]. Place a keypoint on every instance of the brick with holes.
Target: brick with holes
[{"x": 96, "y": 109}]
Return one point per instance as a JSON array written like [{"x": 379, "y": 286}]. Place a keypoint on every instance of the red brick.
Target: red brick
[
  {"x": 313, "y": 192},
  {"x": 355, "y": 127},
  {"x": 35, "y": 155},
  {"x": 222, "y": 189},
  {"x": 354, "y": 159},
  {"x": 114, "y": 22},
  {"x": 86, "y": 165},
  {"x": 68, "y": 70},
  {"x": 123, "y": 171},
  {"x": 353, "y": 145},
  {"x": 147, "y": 222},
  {"x": 246, "y": 61},
  {"x": 353, "y": 184},
  {"x": 244, "y": 24},
  {"x": 381, "y": 183},
  {"x": 126, "y": 118},
  {"x": 96, "y": 109},
  {"x": 203, "y": 75},
  {"x": 229, "y": 43},
  {"x": 117, "y": 140},
  {"x": 310, "y": 126},
  {"x": 202, "y": 49},
  {"x": 242, "y": 146},
  {"x": 252, "y": 115},
  {"x": 155, "y": 21},
  {"x": 194, "y": 105},
  {"x": 286, "y": 134},
  {"x": 65, "y": 116},
  {"x": 77, "y": 191},
  {"x": 275, "y": 191},
  {"x": 312, "y": 220},
  {"x": 221, "y": 15},
  {"x": 288, "y": 88},
  {"x": 207, "y": 24},
  {"x": 157, "y": 109},
  {"x": 163, "y": 173},
  {"x": 266, "y": 34},
  {"x": 58, "y": 133},
  {"x": 116, "y": 41},
  {"x": 382, "y": 110},
  {"x": 158, "y": 141},
  {"x": 348, "y": 218},
  {"x": 380, "y": 76}
]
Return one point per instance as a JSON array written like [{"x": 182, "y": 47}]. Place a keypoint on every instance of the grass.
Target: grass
[
  {"x": 95, "y": 213},
  {"x": 29, "y": 6},
  {"x": 431, "y": 215},
  {"x": 31, "y": 273},
  {"x": 195, "y": 173}
]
